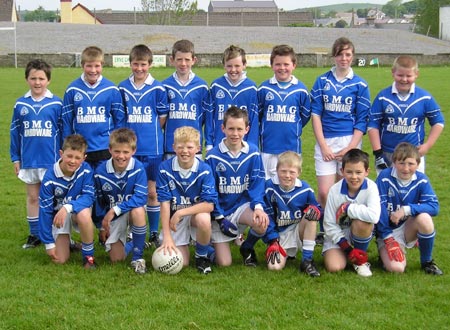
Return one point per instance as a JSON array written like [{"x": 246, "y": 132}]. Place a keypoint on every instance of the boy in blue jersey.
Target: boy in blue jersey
[
  {"x": 35, "y": 139},
  {"x": 121, "y": 191},
  {"x": 293, "y": 212},
  {"x": 233, "y": 88},
  {"x": 340, "y": 103},
  {"x": 284, "y": 107},
  {"x": 187, "y": 93},
  {"x": 351, "y": 211},
  {"x": 399, "y": 112},
  {"x": 408, "y": 204},
  {"x": 185, "y": 188},
  {"x": 92, "y": 107},
  {"x": 145, "y": 101},
  {"x": 65, "y": 201},
  {"x": 239, "y": 178}
]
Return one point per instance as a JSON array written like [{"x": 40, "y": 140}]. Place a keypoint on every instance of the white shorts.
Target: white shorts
[
  {"x": 399, "y": 236},
  {"x": 67, "y": 227},
  {"x": 32, "y": 175},
  {"x": 328, "y": 244},
  {"x": 270, "y": 164},
  {"x": 184, "y": 232},
  {"x": 290, "y": 240},
  {"x": 333, "y": 167},
  {"x": 216, "y": 234},
  {"x": 118, "y": 230}
]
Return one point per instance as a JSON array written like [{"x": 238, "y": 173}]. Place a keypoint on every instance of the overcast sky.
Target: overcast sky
[{"x": 202, "y": 4}]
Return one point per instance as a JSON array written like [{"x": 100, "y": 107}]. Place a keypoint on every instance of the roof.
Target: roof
[
  {"x": 244, "y": 4},
  {"x": 7, "y": 9},
  {"x": 87, "y": 11}
]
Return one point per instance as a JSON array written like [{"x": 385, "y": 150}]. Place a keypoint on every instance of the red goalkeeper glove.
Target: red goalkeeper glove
[
  {"x": 358, "y": 257},
  {"x": 393, "y": 249},
  {"x": 273, "y": 252},
  {"x": 312, "y": 213},
  {"x": 341, "y": 214}
]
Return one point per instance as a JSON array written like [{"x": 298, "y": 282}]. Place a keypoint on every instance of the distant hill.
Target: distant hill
[{"x": 343, "y": 7}]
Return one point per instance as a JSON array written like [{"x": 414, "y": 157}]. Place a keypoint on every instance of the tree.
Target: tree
[
  {"x": 362, "y": 13},
  {"x": 340, "y": 24},
  {"x": 169, "y": 12},
  {"x": 394, "y": 9},
  {"x": 428, "y": 16},
  {"x": 41, "y": 15}
]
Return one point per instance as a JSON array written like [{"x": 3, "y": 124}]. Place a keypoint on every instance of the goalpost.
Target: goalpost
[{"x": 13, "y": 28}]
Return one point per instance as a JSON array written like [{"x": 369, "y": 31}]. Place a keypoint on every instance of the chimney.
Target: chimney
[{"x": 66, "y": 11}]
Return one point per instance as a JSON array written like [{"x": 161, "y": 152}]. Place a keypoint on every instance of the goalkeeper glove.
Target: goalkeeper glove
[
  {"x": 227, "y": 227},
  {"x": 358, "y": 257},
  {"x": 341, "y": 213},
  {"x": 273, "y": 252},
  {"x": 393, "y": 249},
  {"x": 312, "y": 213},
  {"x": 380, "y": 160}
]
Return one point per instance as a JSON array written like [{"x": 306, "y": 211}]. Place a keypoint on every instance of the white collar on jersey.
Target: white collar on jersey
[
  {"x": 276, "y": 180},
  {"x": 110, "y": 167},
  {"x": 241, "y": 79},
  {"x": 274, "y": 81},
  {"x": 191, "y": 76},
  {"x": 395, "y": 90},
  {"x": 403, "y": 183},
  {"x": 224, "y": 149},
  {"x": 176, "y": 165},
  {"x": 47, "y": 94},
  {"x": 349, "y": 75},
  {"x": 148, "y": 81},
  {"x": 88, "y": 84}
]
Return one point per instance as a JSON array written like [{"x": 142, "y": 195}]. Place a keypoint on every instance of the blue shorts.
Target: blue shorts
[{"x": 151, "y": 165}]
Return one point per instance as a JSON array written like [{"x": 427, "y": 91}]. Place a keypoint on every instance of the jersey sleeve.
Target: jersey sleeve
[
  {"x": 140, "y": 193},
  {"x": 257, "y": 183},
  {"x": 332, "y": 229},
  {"x": 362, "y": 108},
  {"x": 117, "y": 109},
  {"x": 46, "y": 211},
  {"x": 87, "y": 196},
  {"x": 68, "y": 113},
  {"x": 14, "y": 132},
  {"x": 369, "y": 210}
]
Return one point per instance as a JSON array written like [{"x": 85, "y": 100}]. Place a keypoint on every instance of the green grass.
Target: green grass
[{"x": 35, "y": 294}]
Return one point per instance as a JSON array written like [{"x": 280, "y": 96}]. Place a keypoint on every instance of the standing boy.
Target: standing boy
[
  {"x": 188, "y": 95},
  {"x": 408, "y": 204},
  {"x": 145, "y": 101},
  {"x": 352, "y": 209},
  {"x": 185, "y": 188},
  {"x": 35, "y": 139},
  {"x": 239, "y": 179},
  {"x": 293, "y": 212},
  {"x": 398, "y": 114},
  {"x": 285, "y": 109},
  {"x": 65, "y": 201},
  {"x": 121, "y": 191},
  {"x": 233, "y": 88}
]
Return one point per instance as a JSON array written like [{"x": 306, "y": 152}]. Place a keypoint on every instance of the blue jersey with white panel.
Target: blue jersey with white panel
[
  {"x": 402, "y": 118},
  {"x": 144, "y": 106},
  {"x": 342, "y": 105},
  {"x": 188, "y": 104},
  {"x": 224, "y": 94},
  {"x": 36, "y": 131},
  {"x": 284, "y": 111},
  {"x": 93, "y": 111}
]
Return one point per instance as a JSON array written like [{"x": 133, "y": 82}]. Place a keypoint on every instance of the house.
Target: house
[
  {"x": 242, "y": 6},
  {"x": 8, "y": 11},
  {"x": 78, "y": 14}
]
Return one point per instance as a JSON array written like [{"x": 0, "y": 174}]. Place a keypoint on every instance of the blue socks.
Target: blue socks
[
  {"x": 33, "y": 224},
  {"x": 138, "y": 241},
  {"x": 361, "y": 243},
  {"x": 153, "y": 213},
  {"x": 426, "y": 243}
]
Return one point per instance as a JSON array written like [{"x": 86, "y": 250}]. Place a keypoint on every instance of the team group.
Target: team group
[{"x": 112, "y": 157}]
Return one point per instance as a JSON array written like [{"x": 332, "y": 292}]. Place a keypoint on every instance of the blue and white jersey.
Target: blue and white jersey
[
  {"x": 416, "y": 196},
  {"x": 188, "y": 104},
  {"x": 402, "y": 118},
  {"x": 224, "y": 94},
  {"x": 365, "y": 206},
  {"x": 122, "y": 191},
  {"x": 36, "y": 131},
  {"x": 238, "y": 179},
  {"x": 342, "y": 105},
  {"x": 184, "y": 188},
  {"x": 57, "y": 190},
  {"x": 144, "y": 106},
  {"x": 93, "y": 111},
  {"x": 284, "y": 111},
  {"x": 285, "y": 208}
]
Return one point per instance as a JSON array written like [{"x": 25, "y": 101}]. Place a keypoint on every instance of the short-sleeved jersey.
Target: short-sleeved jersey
[
  {"x": 224, "y": 94},
  {"x": 188, "y": 104},
  {"x": 144, "y": 106},
  {"x": 181, "y": 190},
  {"x": 36, "y": 131},
  {"x": 342, "y": 105},
  {"x": 122, "y": 191},
  {"x": 417, "y": 195},
  {"x": 93, "y": 111},
  {"x": 365, "y": 206},
  {"x": 239, "y": 179},
  {"x": 285, "y": 208},
  {"x": 284, "y": 111},
  {"x": 402, "y": 119},
  {"x": 58, "y": 190}
]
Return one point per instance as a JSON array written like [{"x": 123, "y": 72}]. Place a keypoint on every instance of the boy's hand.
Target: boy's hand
[
  {"x": 167, "y": 245},
  {"x": 341, "y": 213},
  {"x": 312, "y": 213},
  {"x": 52, "y": 254},
  {"x": 109, "y": 216},
  {"x": 227, "y": 227},
  {"x": 396, "y": 216},
  {"x": 273, "y": 252},
  {"x": 174, "y": 220},
  {"x": 260, "y": 218},
  {"x": 380, "y": 161},
  {"x": 393, "y": 249},
  {"x": 60, "y": 217}
]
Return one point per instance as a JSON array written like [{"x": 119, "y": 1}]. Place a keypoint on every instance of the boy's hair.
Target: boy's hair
[
  {"x": 183, "y": 46},
  {"x": 290, "y": 158},
  {"x": 141, "y": 53},
  {"x": 405, "y": 62},
  {"x": 123, "y": 135},
  {"x": 235, "y": 112},
  {"x": 75, "y": 142},
  {"x": 354, "y": 156},
  {"x": 405, "y": 150},
  {"x": 283, "y": 50},
  {"x": 186, "y": 134},
  {"x": 39, "y": 65},
  {"x": 340, "y": 44},
  {"x": 233, "y": 52},
  {"x": 91, "y": 54}
]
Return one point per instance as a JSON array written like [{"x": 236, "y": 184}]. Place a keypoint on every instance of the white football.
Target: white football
[{"x": 165, "y": 263}]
